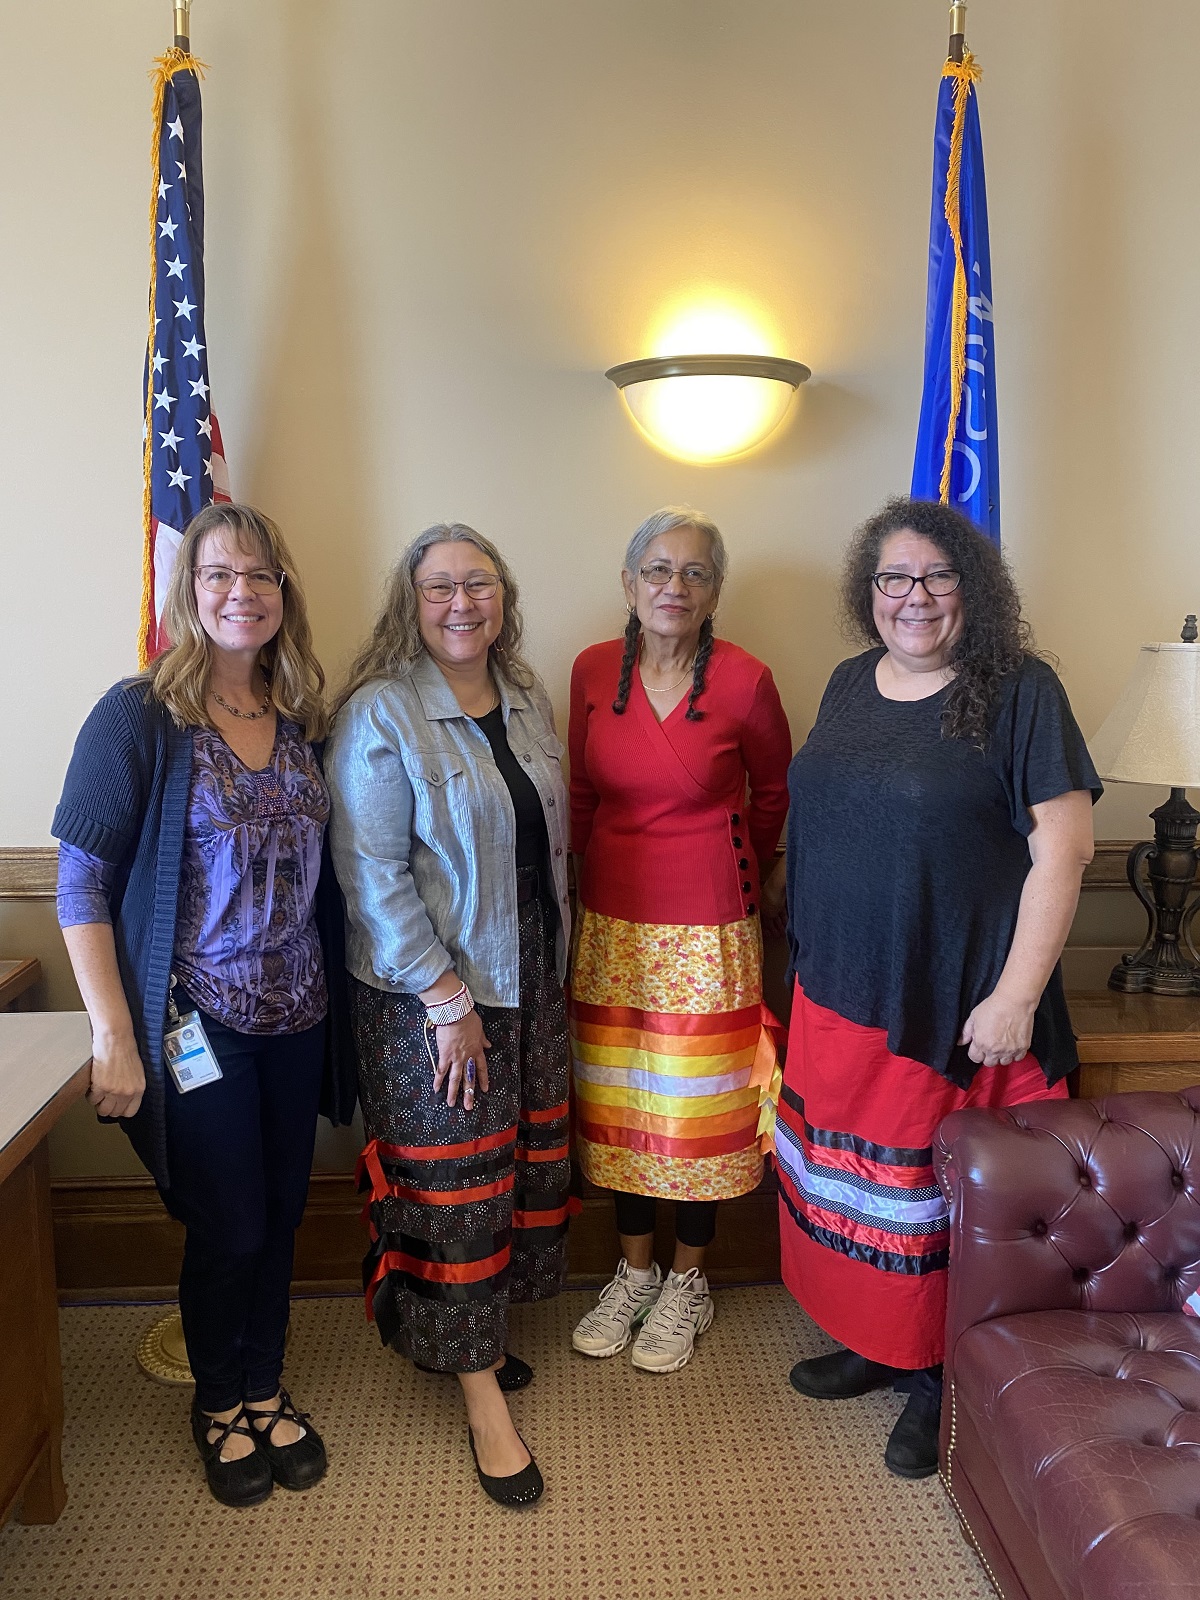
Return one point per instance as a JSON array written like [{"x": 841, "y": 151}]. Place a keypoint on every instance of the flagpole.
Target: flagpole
[
  {"x": 958, "y": 30},
  {"x": 183, "y": 24}
]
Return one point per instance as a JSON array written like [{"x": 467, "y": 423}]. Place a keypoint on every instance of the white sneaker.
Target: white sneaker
[
  {"x": 682, "y": 1312},
  {"x": 623, "y": 1306}
]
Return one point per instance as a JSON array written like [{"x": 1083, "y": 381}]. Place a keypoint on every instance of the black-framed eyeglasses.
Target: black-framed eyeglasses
[
  {"x": 220, "y": 580},
  {"x": 438, "y": 590},
  {"x": 898, "y": 585},
  {"x": 659, "y": 573}
]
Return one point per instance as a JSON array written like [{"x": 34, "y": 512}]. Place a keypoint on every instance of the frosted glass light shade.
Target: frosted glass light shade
[
  {"x": 1152, "y": 734},
  {"x": 708, "y": 408}
]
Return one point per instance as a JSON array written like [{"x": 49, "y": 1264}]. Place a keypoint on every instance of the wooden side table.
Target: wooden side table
[
  {"x": 45, "y": 1062},
  {"x": 1134, "y": 1041},
  {"x": 16, "y": 979}
]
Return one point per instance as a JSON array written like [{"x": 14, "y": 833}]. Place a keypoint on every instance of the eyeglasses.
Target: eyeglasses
[
  {"x": 220, "y": 580},
  {"x": 898, "y": 585},
  {"x": 658, "y": 574},
  {"x": 438, "y": 590}
]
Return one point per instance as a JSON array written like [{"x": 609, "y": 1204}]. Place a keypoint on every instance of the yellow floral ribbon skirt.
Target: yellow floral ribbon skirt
[{"x": 675, "y": 1057}]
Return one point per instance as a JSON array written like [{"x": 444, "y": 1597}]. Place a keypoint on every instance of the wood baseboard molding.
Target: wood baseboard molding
[
  {"x": 29, "y": 872},
  {"x": 114, "y": 1241}
]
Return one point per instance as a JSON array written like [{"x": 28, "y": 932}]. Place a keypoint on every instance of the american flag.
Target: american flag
[{"x": 184, "y": 462}]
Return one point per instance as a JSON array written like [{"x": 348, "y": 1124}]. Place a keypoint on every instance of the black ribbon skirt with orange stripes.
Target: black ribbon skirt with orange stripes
[{"x": 468, "y": 1210}]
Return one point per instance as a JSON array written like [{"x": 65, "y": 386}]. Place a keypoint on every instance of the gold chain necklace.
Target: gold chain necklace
[{"x": 670, "y": 686}]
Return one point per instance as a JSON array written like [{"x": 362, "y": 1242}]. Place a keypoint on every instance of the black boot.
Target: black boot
[
  {"x": 841, "y": 1375},
  {"x": 912, "y": 1450}
]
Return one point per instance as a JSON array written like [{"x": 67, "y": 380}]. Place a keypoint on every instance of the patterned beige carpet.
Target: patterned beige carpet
[{"x": 715, "y": 1481}]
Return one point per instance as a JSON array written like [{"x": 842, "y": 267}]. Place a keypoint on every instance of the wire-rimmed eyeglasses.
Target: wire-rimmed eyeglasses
[
  {"x": 438, "y": 590},
  {"x": 220, "y": 580}
]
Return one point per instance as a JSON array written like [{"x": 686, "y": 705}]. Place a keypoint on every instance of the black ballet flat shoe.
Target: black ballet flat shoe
[
  {"x": 517, "y": 1491},
  {"x": 293, "y": 1466},
  {"x": 912, "y": 1450},
  {"x": 513, "y": 1375},
  {"x": 841, "y": 1375},
  {"x": 245, "y": 1482}
]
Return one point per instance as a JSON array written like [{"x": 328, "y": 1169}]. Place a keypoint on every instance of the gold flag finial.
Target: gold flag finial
[
  {"x": 183, "y": 23},
  {"x": 958, "y": 30}
]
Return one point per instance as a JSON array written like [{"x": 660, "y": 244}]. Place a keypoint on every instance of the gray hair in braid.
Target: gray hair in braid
[{"x": 667, "y": 520}]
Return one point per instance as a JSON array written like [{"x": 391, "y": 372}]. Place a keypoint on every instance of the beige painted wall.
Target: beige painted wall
[{"x": 433, "y": 223}]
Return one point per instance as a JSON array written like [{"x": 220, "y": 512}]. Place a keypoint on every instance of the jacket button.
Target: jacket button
[
  {"x": 746, "y": 888},
  {"x": 735, "y": 818},
  {"x": 526, "y": 757},
  {"x": 435, "y": 776},
  {"x": 750, "y": 909},
  {"x": 558, "y": 852},
  {"x": 737, "y": 844},
  {"x": 550, "y": 801},
  {"x": 743, "y": 863}
]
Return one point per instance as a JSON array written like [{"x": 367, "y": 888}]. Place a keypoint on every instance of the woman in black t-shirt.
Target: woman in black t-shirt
[{"x": 940, "y": 823}]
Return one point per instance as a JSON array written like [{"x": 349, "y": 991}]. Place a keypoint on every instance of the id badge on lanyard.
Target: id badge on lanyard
[{"x": 186, "y": 1049}]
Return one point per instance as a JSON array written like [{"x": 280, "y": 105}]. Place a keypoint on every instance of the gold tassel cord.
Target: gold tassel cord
[
  {"x": 966, "y": 73},
  {"x": 165, "y": 68}
]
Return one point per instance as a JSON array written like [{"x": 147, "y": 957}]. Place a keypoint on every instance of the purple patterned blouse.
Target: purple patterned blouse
[{"x": 246, "y": 944}]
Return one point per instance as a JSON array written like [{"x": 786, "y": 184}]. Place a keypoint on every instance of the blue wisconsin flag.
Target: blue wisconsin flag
[{"x": 957, "y": 457}]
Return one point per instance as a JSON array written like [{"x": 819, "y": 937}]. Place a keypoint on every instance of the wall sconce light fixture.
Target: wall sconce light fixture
[{"x": 708, "y": 408}]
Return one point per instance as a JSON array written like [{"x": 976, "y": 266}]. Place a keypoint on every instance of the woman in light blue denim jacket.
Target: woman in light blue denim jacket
[{"x": 449, "y": 841}]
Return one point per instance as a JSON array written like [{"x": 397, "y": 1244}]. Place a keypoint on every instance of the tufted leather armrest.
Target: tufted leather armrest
[{"x": 1088, "y": 1205}]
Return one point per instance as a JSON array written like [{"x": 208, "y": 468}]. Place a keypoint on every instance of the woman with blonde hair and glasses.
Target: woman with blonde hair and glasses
[
  {"x": 449, "y": 839},
  {"x": 192, "y": 823}
]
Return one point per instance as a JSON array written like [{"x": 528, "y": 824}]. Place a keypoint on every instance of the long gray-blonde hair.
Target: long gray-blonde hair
[
  {"x": 396, "y": 641},
  {"x": 179, "y": 678}
]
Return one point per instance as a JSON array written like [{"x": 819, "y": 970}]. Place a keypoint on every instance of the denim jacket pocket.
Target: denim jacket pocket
[
  {"x": 551, "y": 746},
  {"x": 437, "y": 771}
]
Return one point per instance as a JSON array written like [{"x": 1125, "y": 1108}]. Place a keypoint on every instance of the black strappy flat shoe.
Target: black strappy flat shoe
[
  {"x": 513, "y": 1375},
  {"x": 293, "y": 1466},
  {"x": 519, "y": 1489},
  {"x": 244, "y": 1482}
]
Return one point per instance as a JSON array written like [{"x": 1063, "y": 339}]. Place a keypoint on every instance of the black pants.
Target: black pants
[
  {"x": 695, "y": 1220},
  {"x": 240, "y": 1153}
]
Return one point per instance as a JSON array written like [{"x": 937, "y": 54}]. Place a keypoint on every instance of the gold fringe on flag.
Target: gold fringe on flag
[
  {"x": 165, "y": 68},
  {"x": 966, "y": 72}
]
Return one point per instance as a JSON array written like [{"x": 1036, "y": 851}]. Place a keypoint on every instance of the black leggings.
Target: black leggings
[{"x": 695, "y": 1220}]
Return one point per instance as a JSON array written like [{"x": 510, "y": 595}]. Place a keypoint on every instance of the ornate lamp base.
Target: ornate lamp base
[
  {"x": 162, "y": 1352},
  {"x": 1168, "y": 961}
]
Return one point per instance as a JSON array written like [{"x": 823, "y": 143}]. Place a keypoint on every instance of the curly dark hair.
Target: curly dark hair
[{"x": 995, "y": 639}]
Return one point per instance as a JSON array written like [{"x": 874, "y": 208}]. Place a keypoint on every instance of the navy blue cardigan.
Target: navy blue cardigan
[{"x": 125, "y": 800}]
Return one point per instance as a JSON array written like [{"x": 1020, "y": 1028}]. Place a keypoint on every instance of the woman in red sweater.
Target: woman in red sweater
[{"x": 673, "y": 1048}]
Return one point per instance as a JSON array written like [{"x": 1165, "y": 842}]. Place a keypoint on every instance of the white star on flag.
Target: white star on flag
[
  {"x": 178, "y": 478},
  {"x": 204, "y": 426},
  {"x": 192, "y": 347},
  {"x": 158, "y": 362},
  {"x": 175, "y": 129},
  {"x": 175, "y": 268},
  {"x": 167, "y": 229},
  {"x": 200, "y": 387},
  {"x": 184, "y": 307},
  {"x": 182, "y": 169},
  {"x": 163, "y": 186},
  {"x": 165, "y": 400},
  {"x": 171, "y": 439}
]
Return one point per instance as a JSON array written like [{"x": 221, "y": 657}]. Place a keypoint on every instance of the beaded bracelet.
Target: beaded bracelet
[{"x": 452, "y": 1010}]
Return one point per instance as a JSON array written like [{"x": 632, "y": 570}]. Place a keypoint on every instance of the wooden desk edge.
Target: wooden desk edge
[
  {"x": 36, "y": 1129},
  {"x": 26, "y": 972}
]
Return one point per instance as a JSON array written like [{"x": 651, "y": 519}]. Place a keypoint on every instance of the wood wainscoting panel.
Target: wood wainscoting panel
[{"x": 113, "y": 1239}]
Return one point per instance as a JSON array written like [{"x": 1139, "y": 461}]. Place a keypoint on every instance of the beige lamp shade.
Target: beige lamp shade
[{"x": 1152, "y": 734}]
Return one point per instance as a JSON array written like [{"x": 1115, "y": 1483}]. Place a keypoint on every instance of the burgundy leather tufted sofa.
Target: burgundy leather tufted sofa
[{"x": 1071, "y": 1412}]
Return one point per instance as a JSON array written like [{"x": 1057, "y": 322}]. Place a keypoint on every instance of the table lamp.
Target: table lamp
[{"x": 1152, "y": 735}]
